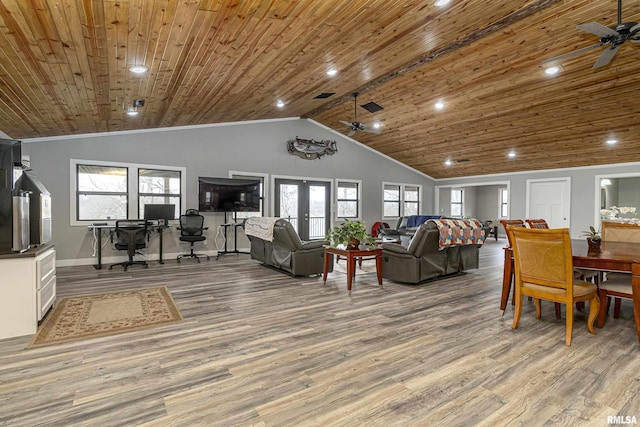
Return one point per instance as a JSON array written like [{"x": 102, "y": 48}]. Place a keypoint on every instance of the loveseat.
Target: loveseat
[
  {"x": 288, "y": 253},
  {"x": 427, "y": 257}
]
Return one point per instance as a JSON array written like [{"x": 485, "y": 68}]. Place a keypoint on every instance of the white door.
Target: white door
[{"x": 550, "y": 200}]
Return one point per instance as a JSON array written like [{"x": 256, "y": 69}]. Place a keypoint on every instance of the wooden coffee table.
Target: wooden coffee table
[{"x": 351, "y": 256}]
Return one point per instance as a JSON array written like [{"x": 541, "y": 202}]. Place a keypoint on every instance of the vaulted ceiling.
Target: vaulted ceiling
[{"x": 64, "y": 69}]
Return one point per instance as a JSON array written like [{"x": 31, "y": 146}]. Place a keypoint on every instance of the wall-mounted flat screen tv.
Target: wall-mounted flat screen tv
[{"x": 228, "y": 195}]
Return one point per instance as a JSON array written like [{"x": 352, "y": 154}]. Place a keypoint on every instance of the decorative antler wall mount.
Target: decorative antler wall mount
[{"x": 309, "y": 149}]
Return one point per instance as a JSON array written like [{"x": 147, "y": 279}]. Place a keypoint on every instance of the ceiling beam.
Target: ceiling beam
[{"x": 516, "y": 16}]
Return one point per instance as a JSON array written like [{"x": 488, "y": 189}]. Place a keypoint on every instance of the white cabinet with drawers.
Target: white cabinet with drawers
[{"x": 27, "y": 290}]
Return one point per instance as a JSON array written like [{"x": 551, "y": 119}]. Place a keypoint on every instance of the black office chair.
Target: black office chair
[
  {"x": 192, "y": 230},
  {"x": 131, "y": 235}
]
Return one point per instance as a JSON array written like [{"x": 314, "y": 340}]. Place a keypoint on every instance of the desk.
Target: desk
[
  {"x": 351, "y": 256},
  {"x": 98, "y": 229},
  {"x": 613, "y": 256},
  {"x": 493, "y": 231}
]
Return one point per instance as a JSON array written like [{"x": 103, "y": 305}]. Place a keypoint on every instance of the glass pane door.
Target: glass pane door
[
  {"x": 288, "y": 203},
  {"x": 318, "y": 208},
  {"x": 305, "y": 204}
]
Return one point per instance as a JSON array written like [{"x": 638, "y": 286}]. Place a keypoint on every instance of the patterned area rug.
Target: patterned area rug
[{"x": 99, "y": 315}]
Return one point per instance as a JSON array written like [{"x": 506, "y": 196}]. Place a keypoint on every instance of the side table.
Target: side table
[{"x": 351, "y": 255}]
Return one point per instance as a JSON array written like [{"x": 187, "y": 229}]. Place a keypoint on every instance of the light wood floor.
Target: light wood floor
[{"x": 260, "y": 348}]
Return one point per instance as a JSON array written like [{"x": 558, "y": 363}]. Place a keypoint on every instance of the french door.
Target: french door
[{"x": 305, "y": 204}]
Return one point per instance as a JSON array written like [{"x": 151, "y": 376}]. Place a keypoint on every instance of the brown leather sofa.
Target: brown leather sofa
[
  {"x": 423, "y": 260},
  {"x": 288, "y": 253}
]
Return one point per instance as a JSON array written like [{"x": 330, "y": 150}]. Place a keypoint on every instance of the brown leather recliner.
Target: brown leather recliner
[{"x": 287, "y": 252}]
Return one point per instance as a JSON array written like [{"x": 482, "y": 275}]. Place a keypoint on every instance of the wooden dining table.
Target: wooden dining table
[{"x": 613, "y": 256}]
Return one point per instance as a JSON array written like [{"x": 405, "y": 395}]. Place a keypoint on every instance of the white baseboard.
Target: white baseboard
[{"x": 115, "y": 259}]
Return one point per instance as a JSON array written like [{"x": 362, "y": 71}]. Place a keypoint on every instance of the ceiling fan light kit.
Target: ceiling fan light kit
[
  {"x": 612, "y": 38},
  {"x": 355, "y": 125}
]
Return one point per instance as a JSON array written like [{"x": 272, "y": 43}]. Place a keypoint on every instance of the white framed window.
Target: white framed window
[
  {"x": 348, "y": 203},
  {"x": 457, "y": 206},
  {"x": 411, "y": 200},
  {"x": 102, "y": 192},
  {"x": 400, "y": 199},
  {"x": 108, "y": 191},
  {"x": 391, "y": 200},
  {"x": 504, "y": 202},
  {"x": 158, "y": 186},
  {"x": 264, "y": 179}
]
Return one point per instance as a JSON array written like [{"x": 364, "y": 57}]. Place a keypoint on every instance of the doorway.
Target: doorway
[
  {"x": 549, "y": 199},
  {"x": 305, "y": 204}
]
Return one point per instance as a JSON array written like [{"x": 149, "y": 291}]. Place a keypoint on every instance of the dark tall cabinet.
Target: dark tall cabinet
[{"x": 10, "y": 160}]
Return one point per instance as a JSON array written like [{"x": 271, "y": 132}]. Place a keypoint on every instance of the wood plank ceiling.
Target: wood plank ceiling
[{"x": 64, "y": 70}]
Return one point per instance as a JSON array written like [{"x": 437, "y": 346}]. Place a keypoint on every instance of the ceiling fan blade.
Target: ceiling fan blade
[
  {"x": 635, "y": 38},
  {"x": 348, "y": 124},
  {"x": 371, "y": 128},
  {"x": 606, "y": 57},
  {"x": 575, "y": 52},
  {"x": 351, "y": 132},
  {"x": 597, "y": 29}
]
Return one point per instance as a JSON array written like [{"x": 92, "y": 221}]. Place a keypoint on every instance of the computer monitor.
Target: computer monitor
[{"x": 159, "y": 212}]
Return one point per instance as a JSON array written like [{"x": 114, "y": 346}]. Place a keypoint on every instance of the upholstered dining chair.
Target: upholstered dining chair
[
  {"x": 620, "y": 232},
  {"x": 537, "y": 223},
  {"x": 507, "y": 275},
  {"x": 544, "y": 270},
  {"x": 616, "y": 285},
  {"x": 512, "y": 223},
  {"x": 579, "y": 272}
]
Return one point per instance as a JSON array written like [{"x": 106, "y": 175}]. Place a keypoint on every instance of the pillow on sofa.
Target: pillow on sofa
[{"x": 416, "y": 220}]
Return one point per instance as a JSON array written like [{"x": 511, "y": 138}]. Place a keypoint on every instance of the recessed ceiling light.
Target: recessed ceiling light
[
  {"x": 550, "y": 71},
  {"x": 280, "y": 103},
  {"x": 138, "y": 69},
  {"x": 612, "y": 141},
  {"x": 132, "y": 113},
  {"x": 448, "y": 162},
  {"x": 439, "y": 105},
  {"x": 332, "y": 72},
  {"x": 441, "y": 3},
  {"x": 511, "y": 154}
]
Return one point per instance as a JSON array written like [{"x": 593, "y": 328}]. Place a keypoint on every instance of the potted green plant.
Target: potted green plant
[
  {"x": 350, "y": 234},
  {"x": 593, "y": 238}
]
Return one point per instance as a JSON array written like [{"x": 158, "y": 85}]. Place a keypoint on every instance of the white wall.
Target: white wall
[
  {"x": 209, "y": 151},
  {"x": 628, "y": 192},
  {"x": 488, "y": 202}
]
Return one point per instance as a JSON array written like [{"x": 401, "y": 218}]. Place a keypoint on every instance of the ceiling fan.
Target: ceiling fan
[
  {"x": 612, "y": 37},
  {"x": 355, "y": 125}
]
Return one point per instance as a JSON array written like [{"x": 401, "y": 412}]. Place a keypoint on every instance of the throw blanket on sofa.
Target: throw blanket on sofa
[
  {"x": 261, "y": 227},
  {"x": 455, "y": 232}
]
